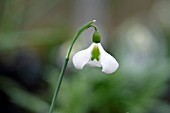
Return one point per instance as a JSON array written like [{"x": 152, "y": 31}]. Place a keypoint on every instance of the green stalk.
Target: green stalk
[{"x": 65, "y": 65}]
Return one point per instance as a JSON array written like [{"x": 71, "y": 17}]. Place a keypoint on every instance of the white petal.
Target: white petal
[
  {"x": 109, "y": 63},
  {"x": 81, "y": 58},
  {"x": 94, "y": 63}
]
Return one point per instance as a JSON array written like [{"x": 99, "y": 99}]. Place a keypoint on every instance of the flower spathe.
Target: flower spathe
[{"x": 95, "y": 56}]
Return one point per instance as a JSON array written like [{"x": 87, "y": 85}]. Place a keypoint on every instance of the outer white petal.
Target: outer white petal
[
  {"x": 109, "y": 63},
  {"x": 81, "y": 58},
  {"x": 94, "y": 63}
]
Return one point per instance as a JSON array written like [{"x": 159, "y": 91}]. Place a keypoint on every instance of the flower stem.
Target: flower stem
[{"x": 65, "y": 65}]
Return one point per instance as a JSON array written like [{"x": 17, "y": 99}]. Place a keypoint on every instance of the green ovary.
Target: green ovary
[{"x": 95, "y": 53}]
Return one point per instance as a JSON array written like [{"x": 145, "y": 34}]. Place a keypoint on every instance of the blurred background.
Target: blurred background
[{"x": 35, "y": 36}]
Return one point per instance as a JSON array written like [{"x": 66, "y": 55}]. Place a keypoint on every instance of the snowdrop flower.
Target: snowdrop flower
[{"x": 95, "y": 56}]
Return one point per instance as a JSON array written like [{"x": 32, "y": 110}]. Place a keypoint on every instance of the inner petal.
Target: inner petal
[
  {"x": 94, "y": 63},
  {"x": 95, "y": 53}
]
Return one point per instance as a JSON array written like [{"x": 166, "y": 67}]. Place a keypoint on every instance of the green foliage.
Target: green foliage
[
  {"x": 90, "y": 91},
  {"x": 19, "y": 96}
]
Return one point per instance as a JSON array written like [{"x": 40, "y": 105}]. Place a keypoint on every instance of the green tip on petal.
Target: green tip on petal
[
  {"x": 96, "y": 37},
  {"x": 95, "y": 53}
]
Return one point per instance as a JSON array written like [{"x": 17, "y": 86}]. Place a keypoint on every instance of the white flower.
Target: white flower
[{"x": 95, "y": 56}]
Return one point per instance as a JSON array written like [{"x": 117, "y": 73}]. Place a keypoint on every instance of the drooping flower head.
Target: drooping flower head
[{"x": 95, "y": 56}]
